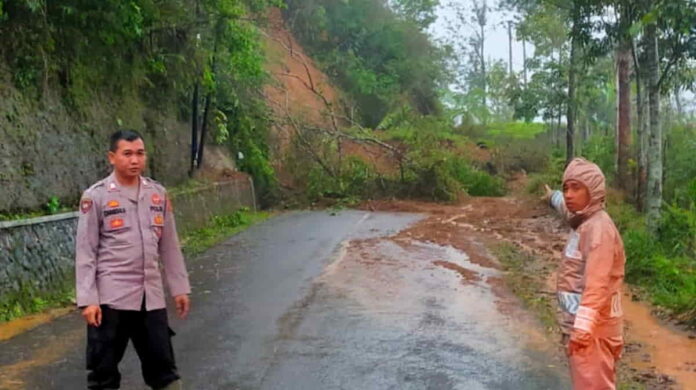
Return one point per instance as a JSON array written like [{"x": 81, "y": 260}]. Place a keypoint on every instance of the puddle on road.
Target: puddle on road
[
  {"x": 466, "y": 274},
  {"x": 436, "y": 290},
  {"x": 458, "y": 261}
]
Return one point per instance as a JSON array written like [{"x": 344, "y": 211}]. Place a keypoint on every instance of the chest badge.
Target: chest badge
[
  {"x": 113, "y": 204},
  {"x": 156, "y": 199},
  {"x": 117, "y": 223},
  {"x": 159, "y": 220}
]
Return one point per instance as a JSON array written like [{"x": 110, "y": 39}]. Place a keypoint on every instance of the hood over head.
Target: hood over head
[{"x": 591, "y": 177}]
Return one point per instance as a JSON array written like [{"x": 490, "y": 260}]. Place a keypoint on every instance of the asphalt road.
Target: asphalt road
[{"x": 311, "y": 300}]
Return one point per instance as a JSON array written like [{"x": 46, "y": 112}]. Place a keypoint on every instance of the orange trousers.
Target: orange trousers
[{"x": 594, "y": 368}]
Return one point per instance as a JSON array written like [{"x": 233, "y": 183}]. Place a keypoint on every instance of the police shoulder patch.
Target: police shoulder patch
[{"x": 86, "y": 205}]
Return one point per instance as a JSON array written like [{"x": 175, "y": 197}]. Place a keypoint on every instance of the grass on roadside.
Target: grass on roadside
[
  {"x": 522, "y": 273},
  {"x": 663, "y": 267},
  {"x": 29, "y": 301},
  {"x": 219, "y": 228}
]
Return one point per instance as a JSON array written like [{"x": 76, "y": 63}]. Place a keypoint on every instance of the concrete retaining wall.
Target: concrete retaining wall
[{"x": 37, "y": 255}]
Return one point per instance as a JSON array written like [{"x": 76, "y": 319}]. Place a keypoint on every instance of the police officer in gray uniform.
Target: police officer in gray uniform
[{"x": 125, "y": 234}]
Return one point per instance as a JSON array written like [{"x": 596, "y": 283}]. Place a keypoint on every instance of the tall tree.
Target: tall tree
[
  {"x": 670, "y": 37},
  {"x": 642, "y": 129},
  {"x": 576, "y": 15},
  {"x": 623, "y": 66},
  {"x": 480, "y": 17},
  {"x": 509, "y": 28},
  {"x": 654, "y": 184},
  {"x": 524, "y": 60}
]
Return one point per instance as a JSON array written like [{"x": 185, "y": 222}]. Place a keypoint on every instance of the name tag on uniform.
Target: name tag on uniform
[{"x": 114, "y": 212}]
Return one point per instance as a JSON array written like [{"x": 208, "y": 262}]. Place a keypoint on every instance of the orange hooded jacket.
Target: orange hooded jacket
[{"x": 592, "y": 270}]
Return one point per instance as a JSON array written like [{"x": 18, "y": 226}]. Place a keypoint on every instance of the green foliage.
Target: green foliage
[
  {"x": 544, "y": 95},
  {"x": 680, "y": 165},
  {"x": 420, "y": 12},
  {"x": 356, "y": 180},
  {"x": 155, "y": 51},
  {"x": 248, "y": 136},
  {"x": 677, "y": 231},
  {"x": 53, "y": 205},
  {"x": 381, "y": 58},
  {"x": 18, "y": 216},
  {"x": 601, "y": 150},
  {"x": 670, "y": 280},
  {"x": 663, "y": 265},
  {"x": 437, "y": 171},
  {"x": 552, "y": 176},
  {"x": 29, "y": 300},
  {"x": 444, "y": 175},
  {"x": 516, "y": 130},
  {"x": 434, "y": 167},
  {"x": 219, "y": 228},
  {"x": 473, "y": 181}
]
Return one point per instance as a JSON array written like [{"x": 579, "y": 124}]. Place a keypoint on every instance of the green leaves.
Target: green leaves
[
  {"x": 381, "y": 58},
  {"x": 53, "y": 206}
]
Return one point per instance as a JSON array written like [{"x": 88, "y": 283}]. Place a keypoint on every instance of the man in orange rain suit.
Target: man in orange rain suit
[{"x": 589, "y": 279}]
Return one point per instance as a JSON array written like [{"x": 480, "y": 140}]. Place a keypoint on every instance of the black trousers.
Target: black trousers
[{"x": 151, "y": 337}]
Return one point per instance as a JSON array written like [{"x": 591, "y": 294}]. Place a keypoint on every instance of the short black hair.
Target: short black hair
[{"x": 126, "y": 135}]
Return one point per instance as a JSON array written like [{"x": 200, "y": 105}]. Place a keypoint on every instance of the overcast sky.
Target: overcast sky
[{"x": 496, "y": 45}]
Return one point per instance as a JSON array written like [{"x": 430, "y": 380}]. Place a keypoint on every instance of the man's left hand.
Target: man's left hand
[
  {"x": 579, "y": 341},
  {"x": 183, "y": 304}
]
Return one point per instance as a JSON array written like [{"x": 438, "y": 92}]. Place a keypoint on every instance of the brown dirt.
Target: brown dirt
[
  {"x": 294, "y": 73},
  {"x": 300, "y": 90},
  {"x": 295, "y": 90},
  {"x": 657, "y": 354},
  {"x": 383, "y": 163},
  {"x": 20, "y": 325},
  {"x": 218, "y": 165},
  {"x": 467, "y": 274}
]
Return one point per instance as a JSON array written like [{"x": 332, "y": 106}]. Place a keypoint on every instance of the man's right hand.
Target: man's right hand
[
  {"x": 548, "y": 192},
  {"x": 93, "y": 315}
]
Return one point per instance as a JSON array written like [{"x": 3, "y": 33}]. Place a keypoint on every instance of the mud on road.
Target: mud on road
[{"x": 657, "y": 355}]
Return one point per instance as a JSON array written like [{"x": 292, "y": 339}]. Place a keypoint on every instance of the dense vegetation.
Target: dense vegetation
[
  {"x": 607, "y": 80},
  {"x": 382, "y": 58},
  {"x": 201, "y": 57}
]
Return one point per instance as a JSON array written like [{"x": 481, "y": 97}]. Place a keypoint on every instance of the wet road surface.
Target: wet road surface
[{"x": 311, "y": 300}]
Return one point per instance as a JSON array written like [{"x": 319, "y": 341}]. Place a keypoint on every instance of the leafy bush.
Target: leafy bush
[
  {"x": 677, "y": 231},
  {"x": 601, "y": 150},
  {"x": 665, "y": 266},
  {"x": 680, "y": 166},
  {"x": 440, "y": 172},
  {"x": 473, "y": 181},
  {"x": 552, "y": 176},
  {"x": 516, "y": 130},
  {"x": 356, "y": 180}
]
